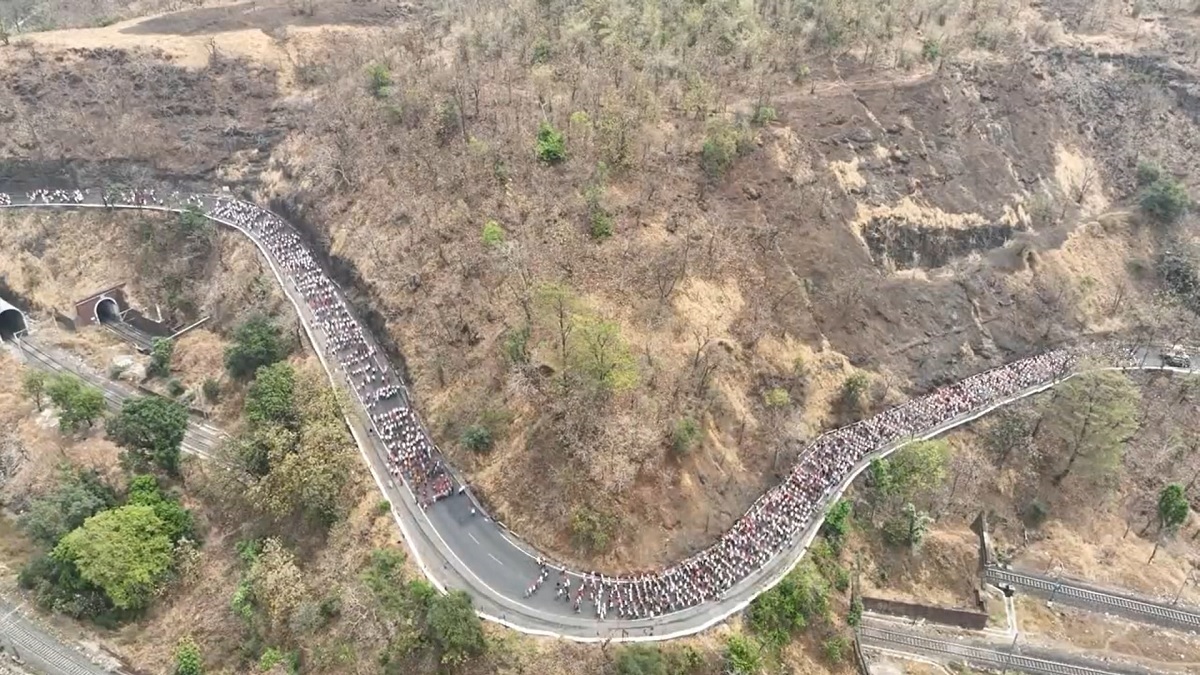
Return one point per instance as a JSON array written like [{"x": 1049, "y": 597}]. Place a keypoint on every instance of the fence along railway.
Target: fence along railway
[
  {"x": 979, "y": 656},
  {"x": 1073, "y": 593}
]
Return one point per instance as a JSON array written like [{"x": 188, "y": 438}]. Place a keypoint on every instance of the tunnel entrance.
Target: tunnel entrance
[
  {"x": 12, "y": 321},
  {"x": 107, "y": 311}
]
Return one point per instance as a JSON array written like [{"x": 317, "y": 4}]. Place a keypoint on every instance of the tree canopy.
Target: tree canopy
[
  {"x": 271, "y": 398},
  {"x": 124, "y": 551},
  {"x": 455, "y": 628},
  {"x": 256, "y": 343},
  {"x": 802, "y": 597},
  {"x": 151, "y": 430},
  {"x": 78, "y": 403},
  {"x": 1090, "y": 419},
  {"x": 1173, "y": 507},
  {"x": 77, "y": 496}
]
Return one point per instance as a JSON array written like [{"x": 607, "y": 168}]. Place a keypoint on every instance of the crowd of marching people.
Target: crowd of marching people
[{"x": 771, "y": 525}]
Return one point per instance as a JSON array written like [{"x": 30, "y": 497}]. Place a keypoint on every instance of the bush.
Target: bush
[
  {"x": 516, "y": 345},
  {"x": 931, "y": 49},
  {"x": 1165, "y": 200},
  {"x": 835, "y": 649},
  {"x": 793, "y": 604},
  {"x": 270, "y": 658},
  {"x": 854, "y": 390},
  {"x": 551, "y": 144},
  {"x": 641, "y": 660},
  {"x": 175, "y": 388},
  {"x": 764, "y": 115},
  {"x": 723, "y": 143},
  {"x": 591, "y": 530},
  {"x": 777, "y": 397},
  {"x": 601, "y": 227},
  {"x": 837, "y": 522},
  {"x": 211, "y": 390},
  {"x": 743, "y": 656},
  {"x": 685, "y": 435},
  {"x": 477, "y": 438},
  {"x": 78, "y": 403},
  {"x": 380, "y": 80},
  {"x": 541, "y": 52},
  {"x": 160, "y": 357},
  {"x": 493, "y": 234},
  {"x": 1148, "y": 173},
  {"x": 1034, "y": 514},
  {"x": 187, "y": 657},
  {"x": 256, "y": 343},
  {"x": 455, "y": 628},
  {"x": 854, "y": 617}
]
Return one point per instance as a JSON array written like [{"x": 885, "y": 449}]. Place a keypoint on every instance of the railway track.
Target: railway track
[
  {"x": 1085, "y": 597},
  {"x": 127, "y": 333},
  {"x": 975, "y": 655},
  {"x": 199, "y": 439},
  {"x": 39, "y": 653}
]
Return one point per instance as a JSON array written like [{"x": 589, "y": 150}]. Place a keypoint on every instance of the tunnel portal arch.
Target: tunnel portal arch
[
  {"x": 12, "y": 321},
  {"x": 107, "y": 310}
]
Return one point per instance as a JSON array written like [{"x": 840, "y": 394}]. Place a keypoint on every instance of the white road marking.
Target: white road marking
[
  {"x": 473, "y": 538},
  {"x": 494, "y": 558}
]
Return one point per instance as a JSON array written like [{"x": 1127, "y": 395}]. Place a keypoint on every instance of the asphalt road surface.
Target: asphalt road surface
[{"x": 459, "y": 550}]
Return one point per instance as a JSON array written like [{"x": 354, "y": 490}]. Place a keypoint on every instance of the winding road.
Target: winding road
[{"x": 458, "y": 550}]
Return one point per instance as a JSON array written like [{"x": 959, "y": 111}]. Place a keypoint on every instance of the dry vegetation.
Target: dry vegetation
[{"x": 757, "y": 201}]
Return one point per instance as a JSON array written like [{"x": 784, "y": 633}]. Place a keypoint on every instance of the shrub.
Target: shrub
[
  {"x": 477, "y": 438},
  {"x": 641, "y": 660},
  {"x": 115, "y": 371},
  {"x": 493, "y": 234},
  {"x": 211, "y": 390},
  {"x": 160, "y": 357},
  {"x": 551, "y": 144},
  {"x": 380, "y": 80},
  {"x": 1148, "y": 173},
  {"x": 271, "y": 657},
  {"x": 777, "y": 397},
  {"x": 601, "y": 225},
  {"x": 793, "y": 604},
  {"x": 685, "y": 436},
  {"x": 516, "y": 345},
  {"x": 931, "y": 49},
  {"x": 187, "y": 657},
  {"x": 764, "y": 115},
  {"x": 383, "y": 507},
  {"x": 835, "y": 649},
  {"x": 837, "y": 522},
  {"x": 541, "y": 52},
  {"x": 592, "y": 530},
  {"x": 256, "y": 342},
  {"x": 175, "y": 388},
  {"x": 1035, "y": 513},
  {"x": 743, "y": 656},
  {"x": 718, "y": 152},
  {"x": 854, "y": 617},
  {"x": 1165, "y": 200},
  {"x": 854, "y": 390}
]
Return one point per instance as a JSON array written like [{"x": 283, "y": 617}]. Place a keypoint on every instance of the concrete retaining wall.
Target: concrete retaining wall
[{"x": 962, "y": 618}]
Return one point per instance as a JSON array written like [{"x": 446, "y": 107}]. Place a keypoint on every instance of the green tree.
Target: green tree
[
  {"x": 801, "y": 598},
  {"x": 380, "y": 80},
  {"x": 835, "y": 648},
  {"x": 78, "y": 403},
  {"x": 271, "y": 398},
  {"x": 592, "y": 530},
  {"x": 477, "y": 438},
  {"x": 685, "y": 435},
  {"x": 551, "y": 145},
  {"x": 277, "y": 584},
  {"x": 455, "y": 628},
  {"x": 911, "y": 473},
  {"x": 151, "y": 430},
  {"x": 1165, "y": 200},
  {"x": 78, "y": 496},
  {"x": 144, "y": 491},
  {"x": 161, "y": 351},
  {"x": 854, "y": 393},
  {"x": 908, "y": 528},
  {"x": 641, "y": 660},
  {"x": 124, "y": 551},
  {"x": 211, "y": 390},
  {"x": 603, "y": 356},
  {"x": 1090, "y": 418},
  {"x": 743, "y": 656},
  {"x": 837, "y": 522},
  {"x": 34, "y": 386},
  {"x": 1010, "y": 431},
  {"x": 493, "y": 234},
  {"x": 187, "y": 657},
  {"x": 256, "y": 343},
  {"x": 722, "y": 144},
  {"x": 1173, "y": 507}
]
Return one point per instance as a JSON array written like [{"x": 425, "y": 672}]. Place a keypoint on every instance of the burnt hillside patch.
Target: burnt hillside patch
[{"x": 908, "y": 246}]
